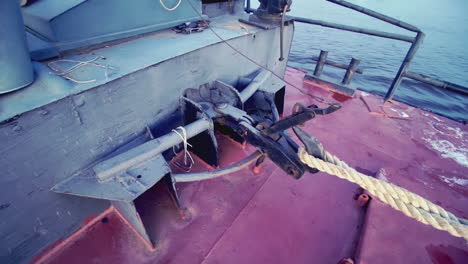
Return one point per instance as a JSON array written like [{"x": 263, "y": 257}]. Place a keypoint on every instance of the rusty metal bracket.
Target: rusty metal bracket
[{"x": 300, "y": 115}]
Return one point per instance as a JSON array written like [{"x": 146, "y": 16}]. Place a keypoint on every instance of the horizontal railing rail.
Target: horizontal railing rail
[
  {"x": 437, "y": 83},
  {"x": 365, "y": 31}
]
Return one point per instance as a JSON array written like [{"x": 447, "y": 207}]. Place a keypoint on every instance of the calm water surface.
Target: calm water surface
[{"x": 443, "y": 54}]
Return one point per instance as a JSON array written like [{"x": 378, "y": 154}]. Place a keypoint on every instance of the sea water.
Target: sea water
[{"x": 443, "y": 55}]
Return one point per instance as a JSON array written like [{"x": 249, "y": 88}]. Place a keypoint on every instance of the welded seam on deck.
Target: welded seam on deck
[{"x": 237, "y": 216}]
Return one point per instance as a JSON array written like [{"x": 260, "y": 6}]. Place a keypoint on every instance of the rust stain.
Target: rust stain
[
  {"x": 57, "y": 246},
  {"x": 441, "y": 254},
  {"x": 88, "y": 219},
  {"x": 341, "y": 97}
]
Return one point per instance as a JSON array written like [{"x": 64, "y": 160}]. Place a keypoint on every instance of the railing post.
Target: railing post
[
  {"x": 321, "y": 61},
  {"x": 352, "y": 68},
  {"x": 404, "y": 66}
]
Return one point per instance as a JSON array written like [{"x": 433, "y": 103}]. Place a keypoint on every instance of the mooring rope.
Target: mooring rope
[
  {"x": 398, "y": 198},
  {"x": 170, "y": 8},
  {"x": 185, "y": 143}
]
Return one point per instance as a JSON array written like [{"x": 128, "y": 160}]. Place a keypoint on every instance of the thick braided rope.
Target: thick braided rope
[
  {"x": 391, "y": 191},
  {"x": 398, "y": 198}
]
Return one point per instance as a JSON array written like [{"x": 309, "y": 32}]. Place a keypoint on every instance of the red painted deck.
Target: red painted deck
[{"x": 272, "y": 218}]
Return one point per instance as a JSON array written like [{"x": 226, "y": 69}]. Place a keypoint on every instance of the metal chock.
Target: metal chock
[{"x": 311, "y": 143}]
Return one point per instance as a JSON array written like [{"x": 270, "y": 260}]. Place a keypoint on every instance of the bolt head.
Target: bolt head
[
  {"x": 363, "y": 200},
  {"x": 291, "y": 171}
]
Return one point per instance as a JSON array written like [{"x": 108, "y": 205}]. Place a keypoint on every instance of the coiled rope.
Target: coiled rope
[
  {"x": 398, "y": 198},
  {"x": 172, "y": 8},
  {"x": 188, "y": 165}
]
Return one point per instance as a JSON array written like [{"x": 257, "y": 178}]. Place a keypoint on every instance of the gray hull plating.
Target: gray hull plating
[{"x": 44, "y": 146}]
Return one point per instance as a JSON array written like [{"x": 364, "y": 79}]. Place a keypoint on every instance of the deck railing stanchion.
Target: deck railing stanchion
[
  {"x": 353, "y": 65},
  {"x": 321, "y": 62},
  {"x": 404, "y": 66}
]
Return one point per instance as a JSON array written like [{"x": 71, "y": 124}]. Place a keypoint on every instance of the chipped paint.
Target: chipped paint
[
  {"x": 456, "y": 149},
  {"x": 452, "y": 181},
  {"x": 448, "y": 130},
  {"x": 424, "y": 113},
  {"x": 448, "y": 150},
  {"x": 458, "y": 132},
  {"x": 401, "y": 113}
]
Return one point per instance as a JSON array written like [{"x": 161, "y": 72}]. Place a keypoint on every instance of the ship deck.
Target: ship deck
[{"x": 269, "y": 217}]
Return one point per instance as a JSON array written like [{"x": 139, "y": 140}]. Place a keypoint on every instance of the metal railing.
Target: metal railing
[
  {"x": 343, "y": 86},
  {"x": 415, "y": 41}
]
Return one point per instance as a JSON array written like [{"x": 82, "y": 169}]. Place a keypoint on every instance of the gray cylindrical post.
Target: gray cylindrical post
[
  {"x": 256, "y": 83},
  {"x": 211, "y": 174},
  {"x": 352, "y": 68},
  {"x": 148, "y": 150},
  {"x": 321, "y": 61},
  {"x": 404, "y": 66},
  {"x": 15, "y": 64}
]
